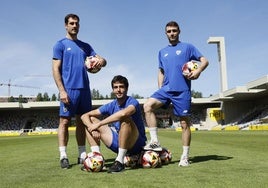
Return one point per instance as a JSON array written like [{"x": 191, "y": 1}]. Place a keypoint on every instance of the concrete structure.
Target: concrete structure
[
  {"x": 238, "y": 101},
  {"x": 222, "y": 60}
]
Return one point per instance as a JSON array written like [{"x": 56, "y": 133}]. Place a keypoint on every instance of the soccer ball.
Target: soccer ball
[
  {"x": 165, "y": 156},
  {"x": 150, "y": 159},
  {"x": 131, "y": 161},
  {"x": 88, "y": 64},
  {"x": 94, "y": 162},
  {"x": 189, "y": 67}
]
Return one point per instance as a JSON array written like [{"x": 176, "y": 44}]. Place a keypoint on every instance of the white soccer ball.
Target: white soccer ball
[
  {"x": 94, "y": 162},
  {"x": 88, "y": 64},
  {"x": 131, "y": 161},
  {"x": 150, "y": 159},
  {"x": 165, "y": 156},
  {"x": 189, "y": 67}
]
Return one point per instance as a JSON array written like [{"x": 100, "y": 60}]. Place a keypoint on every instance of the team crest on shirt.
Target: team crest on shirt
[
  {"x": 68, "y": 49},
  {"x": 65, "y": 109},
  {"x": 166, "y": 55},
  {"x": 178, "y": 52}
]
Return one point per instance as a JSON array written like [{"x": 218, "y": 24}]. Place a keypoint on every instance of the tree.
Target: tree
[
  {"x": 21, "y": 100},
  {"x": 196, "y": 94},
  {"x": 11, "y": 99},
  {"x": 53, "y": 98},
  {"x": 137, "y": 96},
  {"x": 112, "y": 95},
  {"x": 95, "y": 94},
  {"x": 39, "y": 97},
  {"x": 46, "y": 97}
]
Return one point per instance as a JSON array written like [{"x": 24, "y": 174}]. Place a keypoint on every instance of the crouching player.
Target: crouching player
[{"x": 118, "y": 124}]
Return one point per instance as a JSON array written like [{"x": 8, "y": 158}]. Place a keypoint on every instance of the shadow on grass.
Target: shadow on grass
[
  {"x": 195, "y": 159},
  {"x": 109, "y": 162},
  {"x": 198, "y": 159}
]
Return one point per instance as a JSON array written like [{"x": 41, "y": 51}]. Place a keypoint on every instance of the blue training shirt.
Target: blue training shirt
[
  {"x": 73, "y": 53},
  {"x": 113, "y": 107},
  {"x": 171, "y": 59}
]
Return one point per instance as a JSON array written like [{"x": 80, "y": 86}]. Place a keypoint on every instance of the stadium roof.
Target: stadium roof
[{"x": 252, "y": 90}]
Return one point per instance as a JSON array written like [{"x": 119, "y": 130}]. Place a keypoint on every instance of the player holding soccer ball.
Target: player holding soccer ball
[
  {"x": 70, "y": 75},
  {"x": 174, "y": 88},
  {"x": 127, "y": 131}
]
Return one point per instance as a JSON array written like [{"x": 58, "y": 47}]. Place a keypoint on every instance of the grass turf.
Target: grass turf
[{"x": 219, "y": 159}]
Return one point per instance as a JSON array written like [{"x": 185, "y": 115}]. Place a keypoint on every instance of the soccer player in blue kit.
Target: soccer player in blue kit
[
  {"x": 122, "y": 131},
  {"x": 71, "y": 78},
  {"x": 174, "y": 88}
]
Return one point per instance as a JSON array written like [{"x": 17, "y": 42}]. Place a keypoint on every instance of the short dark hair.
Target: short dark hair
[
  {"x": 120, "y": 79},
  {"x": 71, "y": 16},
  {"x": 173, "y": 24}
]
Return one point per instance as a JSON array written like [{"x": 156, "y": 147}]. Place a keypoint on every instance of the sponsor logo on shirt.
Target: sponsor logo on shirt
[{"x": 185, "y": 111}]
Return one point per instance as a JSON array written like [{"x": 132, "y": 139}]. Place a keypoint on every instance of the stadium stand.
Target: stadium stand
[{"x": 240, "y": 108}]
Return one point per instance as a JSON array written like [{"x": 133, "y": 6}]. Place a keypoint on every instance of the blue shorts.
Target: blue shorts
[
  {"x": 136, "y": 149},
  {"x": 181, "y": 101},
  {"x": 80, "y": 103}
]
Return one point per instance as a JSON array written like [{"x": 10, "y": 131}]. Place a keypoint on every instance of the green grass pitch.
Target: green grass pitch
[{"x": 219, "y": 159}]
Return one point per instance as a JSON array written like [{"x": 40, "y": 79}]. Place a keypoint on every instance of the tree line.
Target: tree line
[{"x": 95, "y": 95}]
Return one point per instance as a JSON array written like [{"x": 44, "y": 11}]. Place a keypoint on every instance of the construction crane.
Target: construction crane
[
  {"x": 14, "y": 85},
  {"x": 38, "y": 75}
]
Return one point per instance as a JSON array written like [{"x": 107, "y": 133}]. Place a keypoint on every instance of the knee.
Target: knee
[
  {"x": 64, "y": 122},
  {"x": 94, "y": 119},
  {"x": 129, "y": 127},
  {"x": 185, "y": 123},
  {"x": 147, "y": 107},
  {"x": 83, "y": 116},
  {"x": 126, "y": 122}
]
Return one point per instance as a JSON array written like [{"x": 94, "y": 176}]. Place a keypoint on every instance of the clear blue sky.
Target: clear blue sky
[{"x": 129, "y": 35}]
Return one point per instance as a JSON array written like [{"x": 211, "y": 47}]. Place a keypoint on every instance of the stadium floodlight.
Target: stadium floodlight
[{"x": 222, "y": 59}]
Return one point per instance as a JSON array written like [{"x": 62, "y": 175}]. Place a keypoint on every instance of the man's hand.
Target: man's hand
[
  {"x": 64, "y": 97},
  {"x": 96, "y": 135},
  {"x": 93, "y": 127},
  {"x": 193, "y": 75}
]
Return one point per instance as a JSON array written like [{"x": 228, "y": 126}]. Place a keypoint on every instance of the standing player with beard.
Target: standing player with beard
[
  {"x": 174, "y": 88},
  {"x": 71, "y": 78}
]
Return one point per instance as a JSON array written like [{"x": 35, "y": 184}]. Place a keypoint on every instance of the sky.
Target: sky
[{"x": 129, "y": 35}]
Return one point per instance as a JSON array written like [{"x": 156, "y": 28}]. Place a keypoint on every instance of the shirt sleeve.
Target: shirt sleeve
[{"x": 58, "y": 51}]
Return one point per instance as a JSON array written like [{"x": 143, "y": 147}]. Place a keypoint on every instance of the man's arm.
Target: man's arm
[
  {"x": 203, "y": 65},
  {"x": 160, "y": 78},
  {"x": 86, "y": 117},
  {"x": 118, "y": 116},
  {"x": 56, "y": 67}
]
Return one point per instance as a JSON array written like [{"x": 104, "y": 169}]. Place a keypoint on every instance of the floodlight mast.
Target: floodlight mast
[{"x": 222, "y": 60}]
